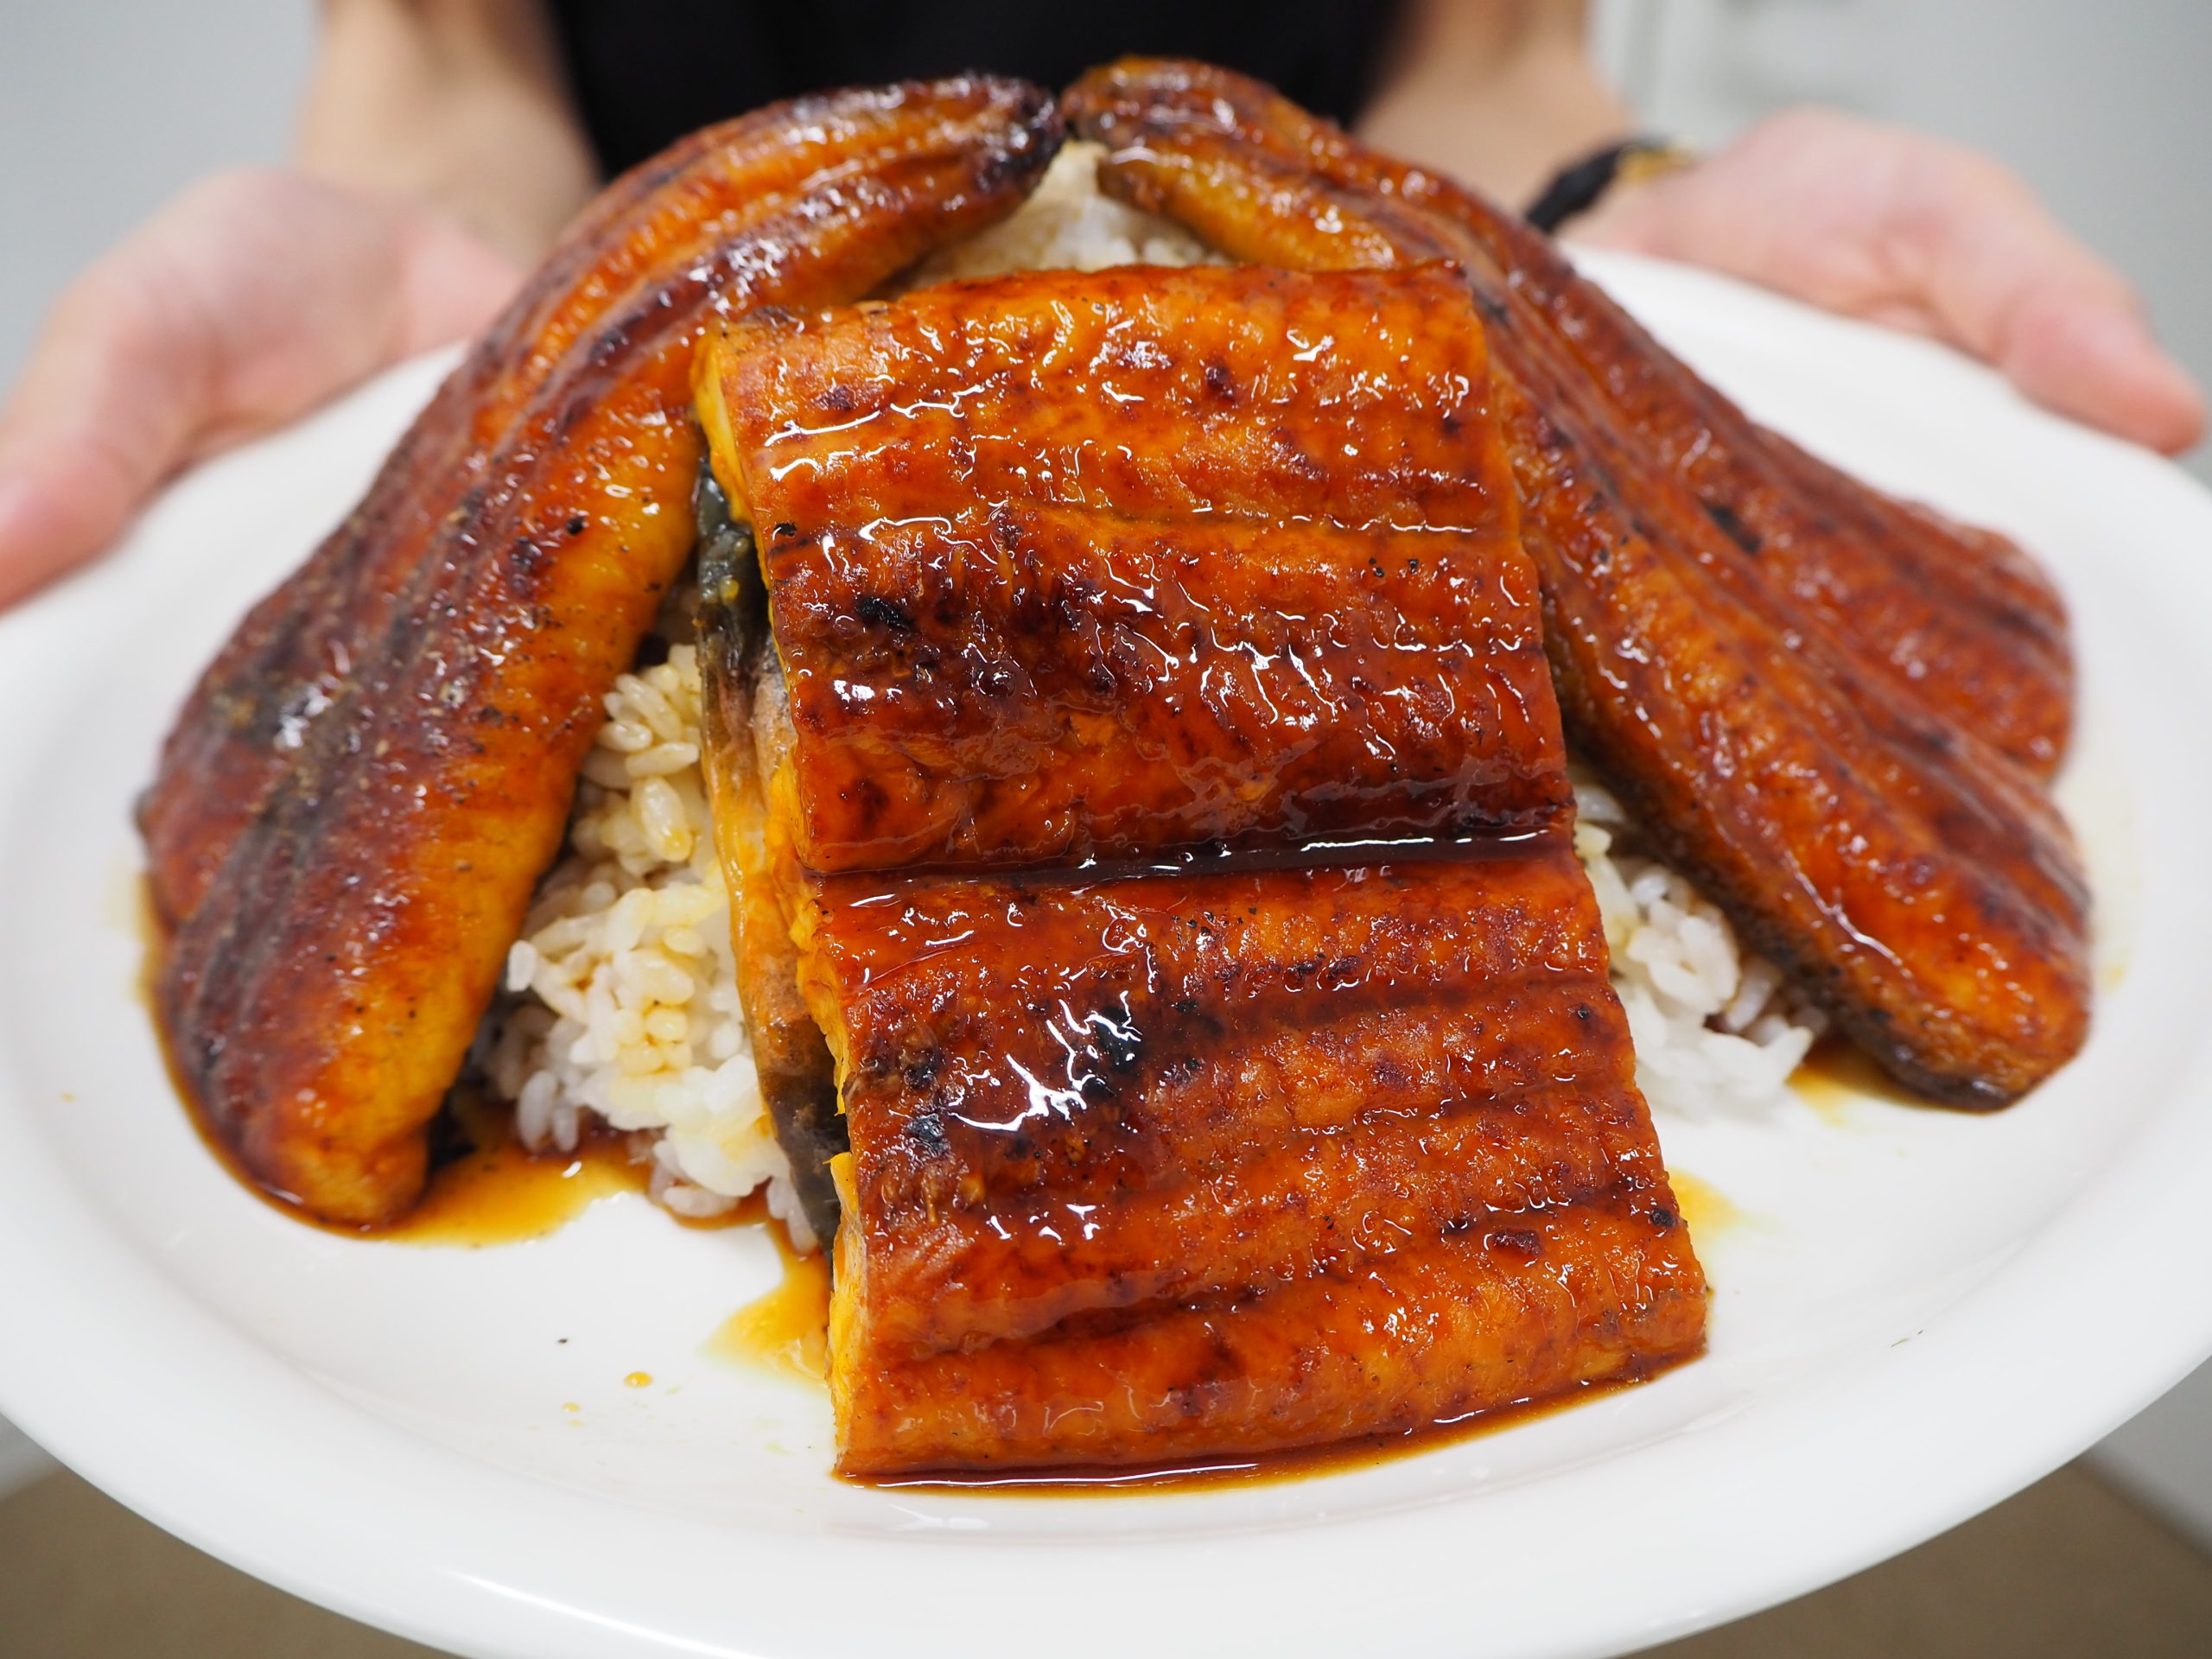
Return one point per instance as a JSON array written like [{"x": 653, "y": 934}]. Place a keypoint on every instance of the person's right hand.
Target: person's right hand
[
  {"x": 247, "y": 301},
  {"x": 1903, "y": 228}
]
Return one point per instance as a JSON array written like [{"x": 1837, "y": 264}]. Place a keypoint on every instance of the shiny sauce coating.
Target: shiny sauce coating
[
  {"x": 1096, "y": 565},
  {"x": 1195, "y": 1164},
  {"x": 362, "y": 793},
  {"x": 1172, "y": 825}
]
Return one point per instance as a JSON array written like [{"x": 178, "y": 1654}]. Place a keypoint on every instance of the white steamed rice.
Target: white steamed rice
[
  {"x": 622, "y": 991},
  {"x": 1066, "y": 225},
  {"x": 1716, "y": 1028},
  {"x": 622, "y": 1002}
]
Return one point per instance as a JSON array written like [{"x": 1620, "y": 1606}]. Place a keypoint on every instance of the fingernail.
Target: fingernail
[
  {"x": 2101, "y": 363},
  {"x": 2162, "y": 407}
]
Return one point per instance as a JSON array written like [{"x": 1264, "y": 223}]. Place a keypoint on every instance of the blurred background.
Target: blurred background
[{"x": 108, "y": 107}]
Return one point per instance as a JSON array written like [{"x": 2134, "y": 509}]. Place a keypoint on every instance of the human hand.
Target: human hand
[
  {"x": 1905, "y": 229},
  {"x": 251, "y": 299}
]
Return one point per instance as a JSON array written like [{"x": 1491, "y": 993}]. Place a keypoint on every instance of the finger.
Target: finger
[
  {"x": 57, "y": 508},
  {"x": 2007, "y": 282},
  {"x": 450, "y": 284},
  {"x": 102, "y": 410},
  {"x": 1908, "y": 230},
  {"x": 2098, "y": 363}
]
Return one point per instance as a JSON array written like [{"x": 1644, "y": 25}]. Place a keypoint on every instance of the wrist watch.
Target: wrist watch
[{"x": 1579, "y": 187}]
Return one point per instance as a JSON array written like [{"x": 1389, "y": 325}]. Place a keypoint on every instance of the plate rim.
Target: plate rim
[{"x": 96, "y": 1412}]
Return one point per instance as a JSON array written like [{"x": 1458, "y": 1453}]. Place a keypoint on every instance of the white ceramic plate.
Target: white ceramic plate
[{"x": 1916, "y": 1313}]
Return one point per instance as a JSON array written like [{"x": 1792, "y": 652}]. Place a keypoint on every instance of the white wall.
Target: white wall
[
  {"x": 2100, "y": 104},
  {"x": 107, "y": 106}
]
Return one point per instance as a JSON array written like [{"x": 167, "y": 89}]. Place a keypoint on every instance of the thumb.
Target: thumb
[
  {"x": 2092, "y": 357},
  {"x": 84, "y": 437}
]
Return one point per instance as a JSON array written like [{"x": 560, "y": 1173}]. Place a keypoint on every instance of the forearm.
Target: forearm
[
  {"x": 1498, "y": 93},
  {"x": 460, "y": 104}
]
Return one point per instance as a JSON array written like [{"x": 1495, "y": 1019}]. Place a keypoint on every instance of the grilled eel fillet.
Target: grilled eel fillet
[
  {"x": 361, "y": 793},
  {"x": 1203, "y": 1164},
  {"x": 1956, "y": 618},
  {"x": 1020, "y": 628},
  {"x": 1827, "y": 707},
  {"x": 999, "y": 654},
  {"x": 1207, "y": 1151}
]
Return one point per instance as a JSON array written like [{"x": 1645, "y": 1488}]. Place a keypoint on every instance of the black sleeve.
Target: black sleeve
[{"x": 647, "y": 71}]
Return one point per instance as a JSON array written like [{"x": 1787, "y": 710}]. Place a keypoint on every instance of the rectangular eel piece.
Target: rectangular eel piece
[
  {"x": 1188, "y": 1164},
  {"x": 1171, "y": 834},
  {"x": 1096, "y": 565}
]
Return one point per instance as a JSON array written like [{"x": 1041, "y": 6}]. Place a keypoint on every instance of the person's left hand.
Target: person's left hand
[
  {"x": 1905, "y": 229},
  {"x": 249, "y": 301}
]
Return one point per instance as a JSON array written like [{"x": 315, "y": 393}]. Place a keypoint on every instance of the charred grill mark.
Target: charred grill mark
[
  {"x": 926, "y": 1131},
  {"x": 1733, "y": 527},
  {"x": 878, "y": 613}
]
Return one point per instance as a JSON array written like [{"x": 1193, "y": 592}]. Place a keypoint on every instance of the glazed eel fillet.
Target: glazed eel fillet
[
  {"x": 1160, "y": 801},
  {"x": 360, "y": 795},
  {"x": 1832, "y": 710}
]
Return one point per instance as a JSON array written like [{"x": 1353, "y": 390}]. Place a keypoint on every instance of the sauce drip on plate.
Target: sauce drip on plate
[
  {"x": 1837, "y": 1072},
  {"x": 499, "y": 1193},
  {"x": 786, "y": 1331},
  {"x": 1704, "y": 1206}
]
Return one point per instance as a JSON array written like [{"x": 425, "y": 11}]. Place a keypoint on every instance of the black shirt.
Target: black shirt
[{"x": 647, "y": 71}]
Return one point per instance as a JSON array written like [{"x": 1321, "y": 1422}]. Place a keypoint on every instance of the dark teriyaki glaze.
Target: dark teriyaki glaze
[
  {"x": 1103, "y": 565},
  {"x": 1182, "y": 1165},
  {"x": 1171, "y": 822},
  {"x": 1201, "y": 1475}
]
